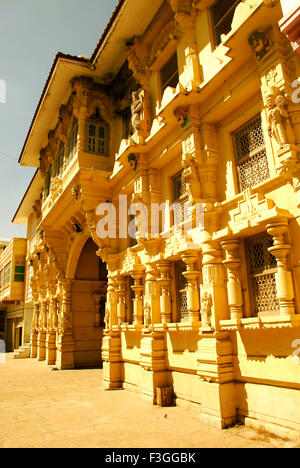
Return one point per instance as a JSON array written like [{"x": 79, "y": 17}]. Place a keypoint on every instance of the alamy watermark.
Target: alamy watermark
[{"x": 147, "y": 221}]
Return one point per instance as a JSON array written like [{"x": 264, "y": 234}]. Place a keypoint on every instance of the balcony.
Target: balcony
[{"x": 12, "y": 271}]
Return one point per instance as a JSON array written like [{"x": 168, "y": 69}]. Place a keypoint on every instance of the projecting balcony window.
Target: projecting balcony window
[
  {"x": 262, "y": 267},
  {"x": 250, "y": 154},
  {"x": 97, "y": 141},
  {"x": 59, "y": 162},
  {"x": 48, "y": 182},
  {"x": 169, "y": 73},
  {"x": 222, "y": 15},
  {"x": 72, "y": 141},
  {"x": 181, "y": 286}
]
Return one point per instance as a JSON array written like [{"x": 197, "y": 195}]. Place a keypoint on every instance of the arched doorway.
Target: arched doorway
[{"x": 88, "y": 306}]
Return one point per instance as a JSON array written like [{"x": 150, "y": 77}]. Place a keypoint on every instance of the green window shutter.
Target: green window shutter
[
  {"x": 19, "y": 269},
  {"x": 19, "y": 278}
]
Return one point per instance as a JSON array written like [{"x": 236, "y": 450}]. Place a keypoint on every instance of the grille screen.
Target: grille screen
[
  {"x": 222, "y": 16},
  {"x": 250, "y": 154},
  {"x": 262, "y": 269}
]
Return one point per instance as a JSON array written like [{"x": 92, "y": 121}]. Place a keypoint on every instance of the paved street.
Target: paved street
[{"x": 41, "y": 408}]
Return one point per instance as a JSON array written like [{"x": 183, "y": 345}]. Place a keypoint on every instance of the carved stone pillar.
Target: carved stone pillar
[
  {"x": 98, "y": 300},
  {"x": 209, "y": 162},
  {"x": 234, "y": 287},
  {"x": 121, "y": 298},
  {"x": 284, "y": 282},
  {"x": 111, "y": 343},
  {"x": 52, "y": 325},
  {"x": 152, "y": 295},
  {"x": 34, "y": 332},
  {"x": 82, "y": 87},
  {"x": 192, "y": 293},
  {"x": 185, "y": 17},
  {"x": 213, "y": 291},
  {"x": 111, "y": 304},
  {"x": 138, "y": 288},
  {"x": 65, "y": 342},
  {"x": 41, "y": 355},
  {"x": 165, "y": 298}
]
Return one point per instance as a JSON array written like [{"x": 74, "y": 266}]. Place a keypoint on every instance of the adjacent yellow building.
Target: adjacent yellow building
[
  {"x": 15, "y": 318},
  {"x": 185, "y": 125}
]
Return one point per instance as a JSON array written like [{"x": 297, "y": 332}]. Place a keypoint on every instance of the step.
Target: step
[{"x": 23, "y": 352}]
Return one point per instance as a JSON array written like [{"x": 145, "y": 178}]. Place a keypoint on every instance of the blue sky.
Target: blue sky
[{"x": 31, "y": 33}]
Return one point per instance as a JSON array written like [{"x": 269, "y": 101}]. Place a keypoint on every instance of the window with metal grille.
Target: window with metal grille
[
  {"x": 59, "y": 162},
  {"x": 181, "y": 285},
  {"x": 222, "y": 15},
  {"x": 180, "y": 198},
  {"x": 262, "y": 267},
  {"x": 169, "y": 73},
  {"x": 72, "y": 141},
  {"x": 250, "y": 154},
  {"x": 97, "y": 135}
]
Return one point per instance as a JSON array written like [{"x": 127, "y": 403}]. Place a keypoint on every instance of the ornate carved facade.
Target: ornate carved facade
[{"x": 193, "y": 143}]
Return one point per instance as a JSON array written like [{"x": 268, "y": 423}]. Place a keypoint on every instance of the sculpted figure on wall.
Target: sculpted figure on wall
[
  {"x": 137, "y": 107},
  {"x": 279, "y": 122},
  {"x": 260, "y": 43},
  {"x": 138, "y": 124},
  {"x": 206, "y": 306}
]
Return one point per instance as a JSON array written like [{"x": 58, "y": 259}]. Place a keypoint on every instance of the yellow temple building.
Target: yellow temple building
[{"x": 183, "y": 125}]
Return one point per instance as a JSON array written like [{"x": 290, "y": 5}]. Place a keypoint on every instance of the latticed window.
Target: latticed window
[
  {"x": 180, "y": 198},
  {"x": 169, "y": 73},
  {"x": 97, "y": 135},
  {"x": 72, "y": 141},
  {"x": 262, "y": 267},
  {"x": 222, "y": 16},
  {"x": 59, "y": 162},
  {"x": 181, "y": 285},
  {"x": 250, "y": 154}
]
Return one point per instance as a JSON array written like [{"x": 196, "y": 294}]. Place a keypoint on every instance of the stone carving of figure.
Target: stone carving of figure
[
  {"x": 206, "y": 305},
  {"x": 260, "y": 44},
  {"x": 147, "y": 315},
  {"x": 137, "y": 109},
  {"x": 107, "y": 318},
  {"x": 279, "y": 123}
]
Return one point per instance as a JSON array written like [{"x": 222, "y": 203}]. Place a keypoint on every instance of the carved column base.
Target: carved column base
[
  {"x": 65, "y": 351},
  {"x": 41, "y": 346},
  {"x": 153, "y": 363},
  {"x": 112, "y": 361},
  {"x": 34, "y": 345},
  {"x": 51, "y": 348},
  {"x": 217, "y": 387}
]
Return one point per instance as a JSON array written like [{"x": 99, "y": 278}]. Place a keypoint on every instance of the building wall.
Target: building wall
[{"x": 231, "y": 352}]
